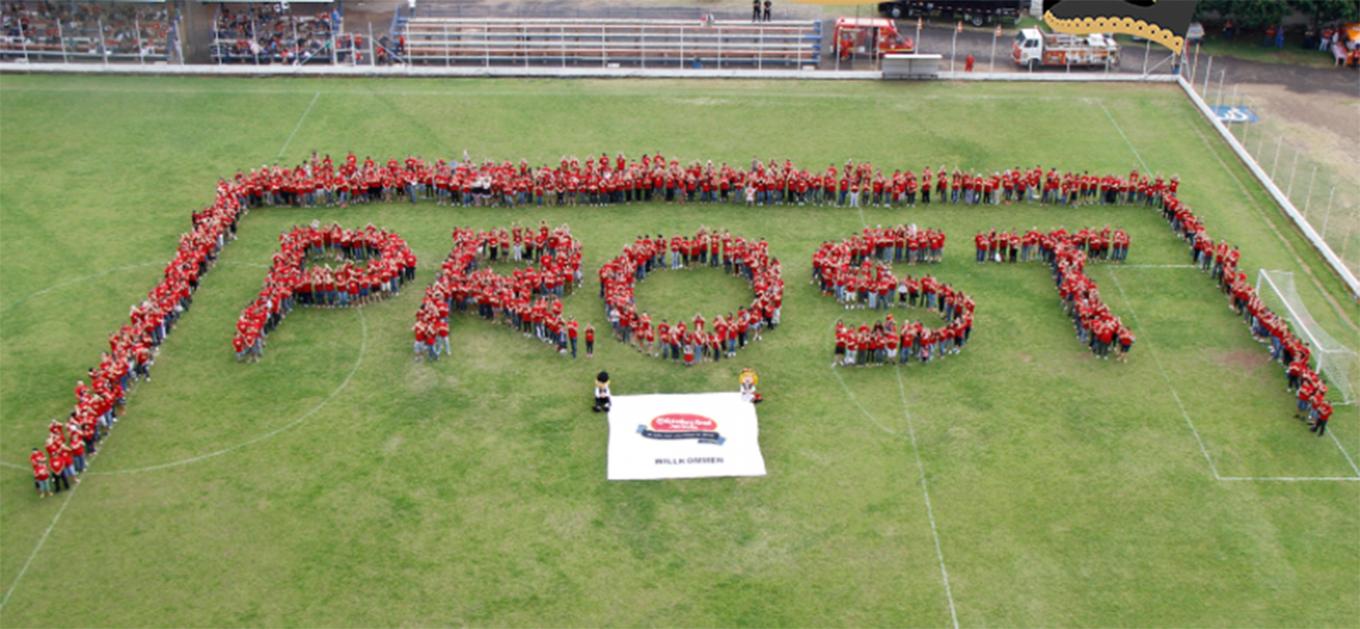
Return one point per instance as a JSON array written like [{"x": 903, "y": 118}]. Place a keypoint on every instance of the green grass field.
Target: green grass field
[{"x": 337, "y": 482}]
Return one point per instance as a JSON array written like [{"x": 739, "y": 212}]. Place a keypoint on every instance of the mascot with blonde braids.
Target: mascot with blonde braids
[{"x": 747, "y": 382}]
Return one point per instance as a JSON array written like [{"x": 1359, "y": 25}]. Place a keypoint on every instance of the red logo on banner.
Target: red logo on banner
[{"x": 682, "y": 422}]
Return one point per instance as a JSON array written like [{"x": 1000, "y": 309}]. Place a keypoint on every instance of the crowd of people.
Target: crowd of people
[
  {"x": 602, "y": 180},
  {"x": 1067, "y": 254},
  {"x": 319, "y": 182},
  {"x": 858, "y": 272},
  {"x": 1222, "y": 261},
  {"x": 529, "y": 299},
  {"x": 371, "y": 264},
  {"x": 691, "y": 342},
  {"x": 270, "y": 33},
  {"x": 85, "y": 28},
  {"x": 1002, "y": 246},
  {"x": 133, "y": 347}
]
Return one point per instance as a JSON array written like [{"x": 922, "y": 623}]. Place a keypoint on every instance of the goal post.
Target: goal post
[{"x": 1335, "y": 361}]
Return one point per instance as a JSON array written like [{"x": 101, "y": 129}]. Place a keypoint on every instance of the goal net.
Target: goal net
[{"x": 1338, "y": 363}]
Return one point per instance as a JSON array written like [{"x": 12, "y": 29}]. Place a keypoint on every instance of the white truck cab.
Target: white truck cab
[{"x": 1033, "y": 48}]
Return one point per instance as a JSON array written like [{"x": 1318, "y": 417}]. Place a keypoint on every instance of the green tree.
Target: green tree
[
  {"x": 1328, "y": 11},
  {"x": 1250, "y": 14}
]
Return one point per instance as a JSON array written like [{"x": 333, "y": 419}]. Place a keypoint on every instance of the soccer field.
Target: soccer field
[{"x": 339, "y": 482}]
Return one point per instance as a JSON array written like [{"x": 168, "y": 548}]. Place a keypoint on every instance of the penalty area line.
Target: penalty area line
[{"x": 1213, "y": 469}]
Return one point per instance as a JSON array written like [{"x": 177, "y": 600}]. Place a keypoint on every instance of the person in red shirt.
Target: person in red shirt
[
  {"x": 1322, "y": 412},
  {"x": 42, "y": 478},
  {"x": 75, "y": 448},
  {"x": 61, "y": 472},
  {"x": 590, "y": 341},
  {"x": 1126, "y": 339},
  {"x": 1305, "y": 395}
]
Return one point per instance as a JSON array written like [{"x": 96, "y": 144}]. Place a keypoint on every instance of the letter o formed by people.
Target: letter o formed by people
[{"x": 692, "y": 342}]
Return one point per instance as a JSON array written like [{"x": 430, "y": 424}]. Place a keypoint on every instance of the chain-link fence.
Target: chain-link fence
[{"x": 1317, "y": 171}]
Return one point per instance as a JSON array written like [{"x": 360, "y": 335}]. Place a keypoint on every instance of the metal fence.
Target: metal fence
[{"x": 1322, "y": 182}]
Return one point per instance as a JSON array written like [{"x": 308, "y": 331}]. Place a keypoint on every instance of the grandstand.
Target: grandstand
[
  {"x": 274, "y": 33},
  {"x": 142, "y": 32},
  {"x": 611, "y": 42}
]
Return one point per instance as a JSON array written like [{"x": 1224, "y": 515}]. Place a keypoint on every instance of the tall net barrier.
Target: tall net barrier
[{"x": 1337, "y": 362}]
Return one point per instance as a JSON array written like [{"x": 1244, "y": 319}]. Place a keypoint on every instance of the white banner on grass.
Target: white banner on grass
[{"x": 683, "y": 436}]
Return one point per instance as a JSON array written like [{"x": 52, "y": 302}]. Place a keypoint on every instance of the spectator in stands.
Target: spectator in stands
[
  {"x": 63, "y": 31},
  {"x": 272, "y": 33},
  {"x": 767, "y": 10}
]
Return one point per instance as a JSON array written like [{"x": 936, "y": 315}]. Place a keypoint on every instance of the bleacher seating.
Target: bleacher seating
[
  {"x": 71, "y": 31},
  {"x": 705, "y": 43},
  {"x": 274, "y": 33}
]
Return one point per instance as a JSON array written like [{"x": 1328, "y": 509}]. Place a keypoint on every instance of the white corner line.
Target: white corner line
[{"x": 925, "y": 491}]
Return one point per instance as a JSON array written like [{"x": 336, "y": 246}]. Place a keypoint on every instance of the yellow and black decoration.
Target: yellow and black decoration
[{"x": 1162, "y": 21}]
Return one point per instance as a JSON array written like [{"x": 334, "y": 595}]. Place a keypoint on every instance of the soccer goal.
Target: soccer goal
[{"x": 1334, "y": 360}]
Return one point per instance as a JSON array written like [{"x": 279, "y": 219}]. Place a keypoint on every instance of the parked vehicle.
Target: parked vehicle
[
  {"x": 869, "y": 36},
  {"x": 1034, "y": 48}
]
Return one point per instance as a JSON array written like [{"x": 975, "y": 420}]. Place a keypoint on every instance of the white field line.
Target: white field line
[
  {"x": 41, "y": 540},
  {"x": 1309, "y": 270},
  {"x": 925, "y": 491},
  {"x": 1346, "y": 454},
  {"x": 920, "y": 468},
  {"x": 315, "y": 95},
  {"x": 1327, "y": 296},
  {"x": 94, "y": 276},
  {"x": 1156, "y": 266},
  {"x": 57, "y": 517},
  {"x": 77, "y": 280},
  {"x": 1213, "y": 469},
  {"x": 1290, "y": 479},
  {"x": 862, "y": 410},
  {"x": 363, "y": 348},
  {"x": 85, "y": 278},
  {"x": 1120, "y": 129},
  {"x": 456, "y": 92},
  {"x": 1341, "y": 314}
]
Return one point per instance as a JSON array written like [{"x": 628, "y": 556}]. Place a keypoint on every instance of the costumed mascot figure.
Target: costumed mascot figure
[
  {"x": 601, "y": 392},
  {"x": 747, "y": 382}
]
